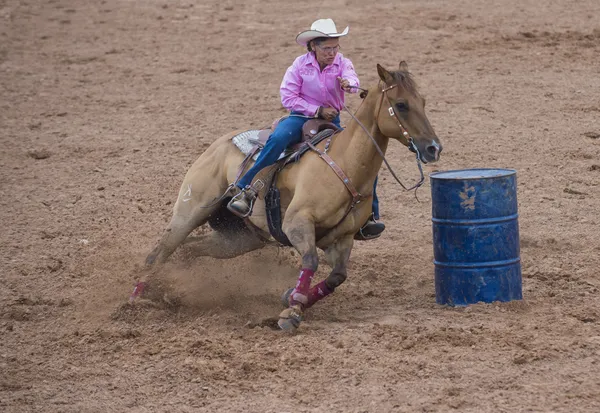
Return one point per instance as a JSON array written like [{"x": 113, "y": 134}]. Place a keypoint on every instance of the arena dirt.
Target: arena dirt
[{"x": 103, "y": 107}]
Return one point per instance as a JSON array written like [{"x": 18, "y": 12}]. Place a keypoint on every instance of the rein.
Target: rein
[{"x": 411, "y": 143}]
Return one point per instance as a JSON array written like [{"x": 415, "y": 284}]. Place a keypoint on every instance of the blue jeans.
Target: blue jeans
[
  {"x": 375, "y": 205},
  {"x": 287, "y": 132}
]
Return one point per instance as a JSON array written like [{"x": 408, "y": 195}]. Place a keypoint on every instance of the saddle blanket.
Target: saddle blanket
[{"x": 245, "y": 141}]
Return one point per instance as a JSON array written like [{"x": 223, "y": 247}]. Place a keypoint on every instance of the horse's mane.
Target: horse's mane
[{"x": 405, "y": 80}]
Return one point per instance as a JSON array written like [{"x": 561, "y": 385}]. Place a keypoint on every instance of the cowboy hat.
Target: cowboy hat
[{"x": 320, "y": 28}]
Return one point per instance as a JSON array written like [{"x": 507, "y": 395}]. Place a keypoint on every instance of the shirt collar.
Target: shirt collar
[{"x": 312, "y": 60}]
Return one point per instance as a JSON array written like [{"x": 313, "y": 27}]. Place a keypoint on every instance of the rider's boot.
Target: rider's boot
[
  {"x": 241, "y": 204},
  {"x": 370, "y": 230}
]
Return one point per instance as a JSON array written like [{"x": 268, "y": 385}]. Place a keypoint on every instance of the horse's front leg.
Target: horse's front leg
[
  {"x": 337, "y": 255},
  {"x": 300, "y": 230}
]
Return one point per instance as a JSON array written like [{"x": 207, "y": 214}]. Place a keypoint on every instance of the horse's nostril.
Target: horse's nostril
[{"x": 433, "y": 151}]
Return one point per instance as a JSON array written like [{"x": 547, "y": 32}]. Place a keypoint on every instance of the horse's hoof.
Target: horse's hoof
[
  {"x": 290, "y": 318},
  {"x": 285, "y": 297}
]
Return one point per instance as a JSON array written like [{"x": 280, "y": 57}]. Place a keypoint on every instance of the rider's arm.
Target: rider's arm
[
  {"x": 349, "y": 74},
  {"x": 290, "y": 93}
]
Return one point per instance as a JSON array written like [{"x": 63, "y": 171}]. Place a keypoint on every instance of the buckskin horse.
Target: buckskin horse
[{"x": 325, "y": 197}]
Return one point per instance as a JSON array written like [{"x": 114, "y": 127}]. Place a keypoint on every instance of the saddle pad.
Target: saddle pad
[{"x": 247, "y": 140}]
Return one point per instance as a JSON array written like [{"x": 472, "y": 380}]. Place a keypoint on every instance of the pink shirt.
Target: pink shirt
[{"x": 304, "y": 87}]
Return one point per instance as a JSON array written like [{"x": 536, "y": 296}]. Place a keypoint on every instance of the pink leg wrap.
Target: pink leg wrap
[
  {"x": 300, "y": 293},
  {"x": 137, "y": 291},
  {"x": 317, "y": 293}
]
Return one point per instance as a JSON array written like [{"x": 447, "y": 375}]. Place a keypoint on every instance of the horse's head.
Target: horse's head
[{"x": 401, "y": 114}]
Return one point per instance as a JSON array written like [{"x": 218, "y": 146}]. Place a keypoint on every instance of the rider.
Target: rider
[{"x": 309, "y": 90}]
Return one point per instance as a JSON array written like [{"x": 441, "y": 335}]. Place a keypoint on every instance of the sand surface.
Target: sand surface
[{"x": 103, "y": 107}]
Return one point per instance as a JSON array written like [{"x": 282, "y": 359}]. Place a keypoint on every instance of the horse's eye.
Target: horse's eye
[{"x": 402, "y": 107}]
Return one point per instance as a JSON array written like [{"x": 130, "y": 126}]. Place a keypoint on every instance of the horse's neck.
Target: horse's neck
[{"x": 357, "y": 150}]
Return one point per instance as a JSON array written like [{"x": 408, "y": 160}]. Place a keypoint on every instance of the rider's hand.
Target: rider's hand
[
  {"x": 344, "y": 84},
  {"x": 328, "y": 114}
]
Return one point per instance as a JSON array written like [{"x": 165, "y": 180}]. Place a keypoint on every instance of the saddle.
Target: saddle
[{"x": 310, "y": 129}]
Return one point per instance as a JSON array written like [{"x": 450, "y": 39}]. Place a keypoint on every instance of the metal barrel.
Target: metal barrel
[{"x": 476, "y": 236}]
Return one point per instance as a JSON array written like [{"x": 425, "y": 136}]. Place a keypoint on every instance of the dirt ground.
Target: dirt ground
[{"x": 103, "y": 107}]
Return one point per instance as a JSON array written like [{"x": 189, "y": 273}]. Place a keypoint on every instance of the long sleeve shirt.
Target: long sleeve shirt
[{"x": 304, "y": 87}]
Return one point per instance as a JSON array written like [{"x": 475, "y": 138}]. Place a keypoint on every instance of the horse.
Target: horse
[{"x": 319, "y": 208}]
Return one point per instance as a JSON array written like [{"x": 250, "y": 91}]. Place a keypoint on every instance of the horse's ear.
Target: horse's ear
[
  {"x": 403, "y": 66},
  {"x": 385, "y": 75}
]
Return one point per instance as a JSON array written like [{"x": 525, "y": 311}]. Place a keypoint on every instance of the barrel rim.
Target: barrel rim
[
  {"x": 476, "y": 222},
  {"x": 504, "y": 173}
]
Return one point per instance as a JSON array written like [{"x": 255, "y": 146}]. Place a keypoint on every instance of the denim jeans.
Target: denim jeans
[
  {"x": 375, "y": 205},
  {"x": 288, "y": 132}
]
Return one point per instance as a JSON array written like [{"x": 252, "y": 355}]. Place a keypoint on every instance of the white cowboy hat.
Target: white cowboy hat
[{"x": 320, "y": 28}]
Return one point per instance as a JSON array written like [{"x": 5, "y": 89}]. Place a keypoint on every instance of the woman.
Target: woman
[{"x": 310, "y": 89}]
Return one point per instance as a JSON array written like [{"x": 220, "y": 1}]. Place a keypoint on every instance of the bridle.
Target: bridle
[{"x": 411, "y": 144}]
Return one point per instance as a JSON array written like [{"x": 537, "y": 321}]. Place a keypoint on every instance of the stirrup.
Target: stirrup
[{"x": 249, "y": 194}]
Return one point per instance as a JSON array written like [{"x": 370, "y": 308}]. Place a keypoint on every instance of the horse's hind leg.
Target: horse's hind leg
[
  {"x": 224, "y": 245},
  {"x": 186, "y": 217},
  {"x": 175, "y": 233},
  {"x": 197, "y": 200}
]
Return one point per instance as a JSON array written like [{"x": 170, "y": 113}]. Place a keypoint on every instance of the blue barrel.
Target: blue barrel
[{"x": 476, "y": 236}]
